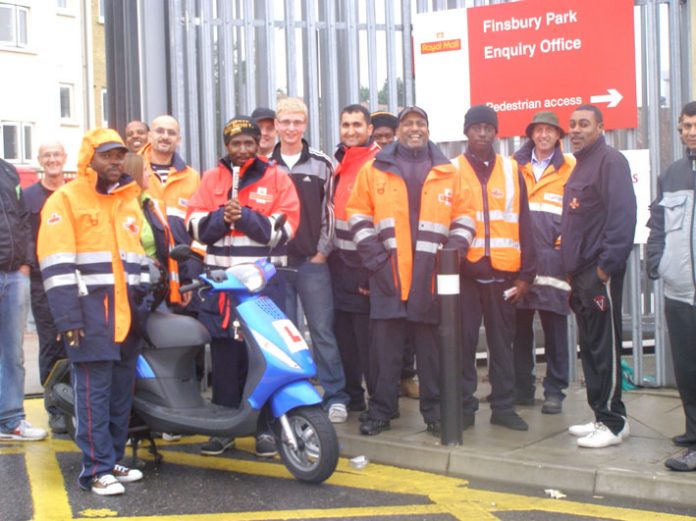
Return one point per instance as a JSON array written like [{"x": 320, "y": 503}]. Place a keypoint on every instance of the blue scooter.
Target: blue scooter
[{"x": 167, "y": 394}]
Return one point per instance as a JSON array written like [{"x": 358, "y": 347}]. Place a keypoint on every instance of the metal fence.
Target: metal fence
[{"x": 206, "y": 60}]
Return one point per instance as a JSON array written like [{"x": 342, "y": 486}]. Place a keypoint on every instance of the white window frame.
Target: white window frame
[
  {"x": 104, "y": 112},
  {"x": 23, "y": 153},
  {"x": 71, "y": 100},
  {"x": 16, "y": 10}
]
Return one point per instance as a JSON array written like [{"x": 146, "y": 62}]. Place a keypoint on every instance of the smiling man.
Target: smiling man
[
  {"x": 597, "y": 229},
  {"x": 349, "y": 278},
  {"x": 545, "y": 169},
  {"x": 499, "y": 266},
  {"x": 405, "y": 205},
  {"x": 136, "y": 135}
]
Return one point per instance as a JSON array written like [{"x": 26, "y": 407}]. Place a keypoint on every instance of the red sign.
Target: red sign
[{"x": 539, "y": 55}]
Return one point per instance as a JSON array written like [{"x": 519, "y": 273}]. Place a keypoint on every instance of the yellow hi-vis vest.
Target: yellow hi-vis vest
[{"x": 497, "y": 216}]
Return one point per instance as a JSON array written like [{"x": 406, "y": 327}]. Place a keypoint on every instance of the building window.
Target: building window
[
  {"x": 104, "y": 109},
  {"x": 100, "y": 18},
  {"x": 13, "y": 25},
  {"x": 62, "y": 4},
  {"x": 16, "y": 141},
  {"x": 66, "y": 97}
]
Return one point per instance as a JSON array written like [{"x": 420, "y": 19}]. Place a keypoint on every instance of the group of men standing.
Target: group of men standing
[{"x": 542, "y": 231}]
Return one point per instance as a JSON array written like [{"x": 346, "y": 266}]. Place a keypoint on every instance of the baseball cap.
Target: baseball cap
[
  {"x": 408, "y": 110},
  {"x": 110, "y": 145},
  {"x": 261, "y": 113}
]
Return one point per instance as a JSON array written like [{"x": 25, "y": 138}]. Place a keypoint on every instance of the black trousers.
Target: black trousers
[
  {"x": 352, "y": 331},
  {"x": 388, "y": 342},
  {"x": 555, "y": 328},
  {"x": 50, "y": 349},
  {"x": 681, "y": 322},
  {"x": 485, "y": 301},
  {"x": 597, "y": 308}
]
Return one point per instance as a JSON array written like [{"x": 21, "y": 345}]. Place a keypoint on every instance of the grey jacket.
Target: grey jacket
[{"x": 671, "y": 249}]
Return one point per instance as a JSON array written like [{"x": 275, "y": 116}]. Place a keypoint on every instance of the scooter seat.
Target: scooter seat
[{"x": 167, "y": 330}]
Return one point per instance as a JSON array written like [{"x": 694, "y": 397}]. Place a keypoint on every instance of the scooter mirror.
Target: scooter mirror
[{"x": 180, "y": 252}]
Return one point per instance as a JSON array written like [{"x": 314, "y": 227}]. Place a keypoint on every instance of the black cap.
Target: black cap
[
  {"x": 480, "y": 114},
  {"x": 407, "y": 110},
  {"x": 384, "y": 119},
  {"x": 110, "y": 145},
  {"x": 241, "y": 125},
  {"x": 261, "y": 113}
]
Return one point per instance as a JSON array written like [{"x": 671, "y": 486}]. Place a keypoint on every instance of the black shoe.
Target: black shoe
[
  {"x": 434, "y": 428},
  {"x": 373, "y": 427},
  {"x": 682, "y": 440},
  {"x": 552, "y": 405},
  {"x": 468, "y": 420},
  {"x": 684, "y": 463},
  {"x": 216, "y": 446},
  {"x": 57, "y": 424},
  {"x": 266, "y": 446},
  {"x": 511, "y": 420},
  {"x": 365, "y": 416}
]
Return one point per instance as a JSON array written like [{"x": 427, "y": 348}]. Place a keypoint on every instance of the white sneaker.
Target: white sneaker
[
  {"x": 338, "y": 413},
  {"x": 582, "y": 429},
  {"x": 126, "y": 475},
  {"x": 599, "y": 438},
  {"x": 169, "y": 436},
  {"x": 626, "y": 431},
  {"x": 107, "y": 485},
  {"x": 24, "y": 432}
]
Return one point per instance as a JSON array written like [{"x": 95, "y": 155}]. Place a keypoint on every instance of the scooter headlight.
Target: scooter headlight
[{"x": 251, "y": 275}]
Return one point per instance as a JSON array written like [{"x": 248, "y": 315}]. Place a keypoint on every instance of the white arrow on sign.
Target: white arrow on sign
[{"x": 613, "y": 98}]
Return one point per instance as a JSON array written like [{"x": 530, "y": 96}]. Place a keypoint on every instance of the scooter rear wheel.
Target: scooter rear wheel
[{"x": 317, "y": 453}]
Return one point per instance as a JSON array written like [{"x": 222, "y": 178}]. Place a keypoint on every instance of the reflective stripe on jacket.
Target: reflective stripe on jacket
[
  {"x": 497, "y": 214},
  {"x": 94, "y": 268},
  {"x": 378, "y": 213},
  {"x": 550, "y": 289}
]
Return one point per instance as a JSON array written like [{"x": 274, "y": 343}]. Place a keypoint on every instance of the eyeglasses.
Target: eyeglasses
[
  {"x": 162, "y": 131},
  {"x": 294, "y": 122}
]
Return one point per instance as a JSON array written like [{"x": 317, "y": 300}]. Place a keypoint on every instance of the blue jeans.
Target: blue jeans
[
  {"x": 14, "y": 305},
  {"x": 312, "y": 283}
]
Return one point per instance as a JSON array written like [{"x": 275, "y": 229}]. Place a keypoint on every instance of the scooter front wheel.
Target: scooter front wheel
[{"x": 316, "y": 455}]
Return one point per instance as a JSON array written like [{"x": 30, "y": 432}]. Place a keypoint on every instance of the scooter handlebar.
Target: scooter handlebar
[{"x": 192, "y": 286}]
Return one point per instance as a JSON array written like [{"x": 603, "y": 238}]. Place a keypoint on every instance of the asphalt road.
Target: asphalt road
[{"x": 38, "y": 481}]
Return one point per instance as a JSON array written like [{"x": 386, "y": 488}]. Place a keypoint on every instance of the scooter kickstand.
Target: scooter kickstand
[{"x": 288, "y": 434}]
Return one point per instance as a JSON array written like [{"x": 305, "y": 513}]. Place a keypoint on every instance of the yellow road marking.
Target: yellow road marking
[{"x": 449, "y": 495}]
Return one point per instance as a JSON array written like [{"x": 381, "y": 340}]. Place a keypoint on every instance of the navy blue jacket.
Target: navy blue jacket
[{"x": 599, "y": 211}]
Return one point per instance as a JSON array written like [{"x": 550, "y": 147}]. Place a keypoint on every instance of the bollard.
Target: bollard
[{"x": 449, "y": 337}]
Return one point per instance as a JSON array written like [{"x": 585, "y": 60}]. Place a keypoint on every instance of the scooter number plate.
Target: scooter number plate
[{"x": 290, "y": 335}]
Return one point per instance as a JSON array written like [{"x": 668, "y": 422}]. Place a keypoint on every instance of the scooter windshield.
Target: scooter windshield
[{"x": 250, "y": 275}]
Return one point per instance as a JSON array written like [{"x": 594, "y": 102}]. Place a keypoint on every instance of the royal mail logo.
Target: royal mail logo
[
  {"x": 131, "y": 226},
  {"x": 261, "y": 195},
  {"x": 183, "y": 202},
  {"x": 601, "y": 302},
  {"x": 454, "y": 44},
  {"x": 574, "y": 203},
  {"x": 497, "y": 193},
  {"x": 54, "y": 219},
  {"x": 445, "y": 197}
]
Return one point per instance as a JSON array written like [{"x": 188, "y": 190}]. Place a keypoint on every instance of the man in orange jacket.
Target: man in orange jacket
[
  {"x": 499, "y": 266},
  {"x": 96, "y": 277},
  {"x": 406, "y": 204}
]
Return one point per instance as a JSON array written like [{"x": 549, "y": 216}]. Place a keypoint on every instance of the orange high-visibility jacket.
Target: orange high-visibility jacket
[
  {"x": 402, "y": 283},
  {"x": 156, "y": 215},
  {"x": 497, "y": 207},
  {"x": 93, "y": 265},
  {"x": 550, "y": 289}
]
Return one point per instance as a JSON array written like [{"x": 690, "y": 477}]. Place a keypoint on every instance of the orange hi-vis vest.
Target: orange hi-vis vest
[{"x": 497, "y": 206}]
